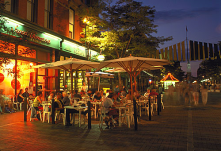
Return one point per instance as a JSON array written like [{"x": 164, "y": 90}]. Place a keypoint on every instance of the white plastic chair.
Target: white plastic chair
[
  {"x": 47, "y": 113},
  {"x": 162, "y": 101},
  {"x": 102, "y": 116},
  {"x": 154, "y": 99}
]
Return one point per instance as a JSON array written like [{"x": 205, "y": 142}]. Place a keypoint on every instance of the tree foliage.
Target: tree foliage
[
  {"x": 209, "y": 69},
  {"x": 174, "y": 68},
  {"x": 120, "y": 29}
]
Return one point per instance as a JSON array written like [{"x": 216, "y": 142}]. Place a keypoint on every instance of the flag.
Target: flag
[
  {"x": 211, "y": 53},
  {"x": 192, "y": 54},
  {"x": 186, "y": 29},
  {"x": 166, "y": 53},
  {"x": 157, "y": 54},
  {"x": 170, "y": 53},
  {"x": 196, "y": 50},
  {"x": 183, "y": 51},
  {"x": 162, "y": 53},
  {"x": 206, "y": 51},
  {"x": 216, "y": 53},
  {"x": 179, "y": 51},
  {"x": 175, "y": 53},
  {"x": 201, "y": 50}
]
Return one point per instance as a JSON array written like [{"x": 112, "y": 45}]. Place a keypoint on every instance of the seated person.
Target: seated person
[
  {"x": 153, "y": 92},
  {"x": 76, "y": 95},
  {"x": 128, "y": 96},
  {"x": 115, "y": 99},
  {"x": 123, "y": 94},
  {"x": 26, "y": 94},
  {"x": 90, "y": 94},
  {"x": 108, "y": 108},
  {"x": 58, "y": 104},
  {"x": 83, "y": 94},
  {"x": 147, "y": 93},
  {"x": 37, "y": 103},
  {"x": 66, "y": 100},
  {"x": 98, "y": 97},
  {"x": 51, "y": 96},
  {"x": 136, "y": 95},
  {"x": 20, "y": 98}
]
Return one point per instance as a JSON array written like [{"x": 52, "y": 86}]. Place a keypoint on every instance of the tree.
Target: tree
[
  {"x": 120, "y": 29},
  {"x": 209, "y": 69}
]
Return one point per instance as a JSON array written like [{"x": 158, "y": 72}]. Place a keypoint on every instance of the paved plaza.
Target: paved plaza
[{"x": 178, "y": 128}]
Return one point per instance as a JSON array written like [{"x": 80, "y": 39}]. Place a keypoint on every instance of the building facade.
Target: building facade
[{"x": 35, "y": 32}]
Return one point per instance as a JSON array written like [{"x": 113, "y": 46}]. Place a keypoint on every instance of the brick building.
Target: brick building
[{"x": 52, "y": 29}]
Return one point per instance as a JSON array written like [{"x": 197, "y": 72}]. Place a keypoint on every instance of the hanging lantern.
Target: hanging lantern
[
  {"x": 13, "y": 84},
  {"x": 1, "y": 77}
]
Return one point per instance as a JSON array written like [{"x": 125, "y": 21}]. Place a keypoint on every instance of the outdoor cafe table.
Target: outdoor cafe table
[
  {"x": 78, "y": 108},
  {"x": 95, "y": 103}
]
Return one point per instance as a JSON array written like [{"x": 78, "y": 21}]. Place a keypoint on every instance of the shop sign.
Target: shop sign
[
  {"x": 73, "y": 48},
  {"x": 19, "y": 30},
  {"x": 1, "y": 77}
]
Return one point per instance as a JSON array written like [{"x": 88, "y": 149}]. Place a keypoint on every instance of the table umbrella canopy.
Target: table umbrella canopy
[
  {"x": 71, "y": 63},
  {"x": 133, "y": 66},
  {"x": 116, "y": 70}
]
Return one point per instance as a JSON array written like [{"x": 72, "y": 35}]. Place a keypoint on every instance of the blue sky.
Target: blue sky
[{"x": 202, "y": 18}]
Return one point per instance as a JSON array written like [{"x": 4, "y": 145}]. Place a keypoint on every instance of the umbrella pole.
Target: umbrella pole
[
  {"x": 134, "y": 104},
  {"x": 71, "y": 72},
  {"x": 99, "y": 80}
]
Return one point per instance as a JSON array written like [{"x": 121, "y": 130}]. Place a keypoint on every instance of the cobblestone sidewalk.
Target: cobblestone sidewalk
[{"x": 177, "y": 128}]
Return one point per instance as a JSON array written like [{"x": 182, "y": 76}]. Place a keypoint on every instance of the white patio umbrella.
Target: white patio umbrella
[
  {"x": 99, "y": 75},
  {"x": 70, "y": 64},
  {"x": 133, "y": 66}
]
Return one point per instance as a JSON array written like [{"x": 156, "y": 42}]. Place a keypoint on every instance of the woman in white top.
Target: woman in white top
[{"x": 147, "y": 93}]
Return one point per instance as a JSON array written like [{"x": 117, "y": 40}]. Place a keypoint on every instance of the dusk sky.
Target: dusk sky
[{"x": 202, "y": 18}]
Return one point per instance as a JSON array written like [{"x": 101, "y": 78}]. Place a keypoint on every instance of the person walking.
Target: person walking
[{"x": 204, "y": 93}]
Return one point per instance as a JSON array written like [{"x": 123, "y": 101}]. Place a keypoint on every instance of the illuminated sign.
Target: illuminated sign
[
  {"x": 18, "y": 29},
  {"x": 14, "y": 28}
]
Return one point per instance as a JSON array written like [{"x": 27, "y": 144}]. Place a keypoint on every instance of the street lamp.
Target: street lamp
[
  {"x": 86, "y": 22},
  {"x": 100, "y": 57}
]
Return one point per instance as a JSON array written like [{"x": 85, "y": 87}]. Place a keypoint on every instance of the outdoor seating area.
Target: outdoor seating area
[{"x": 114, "y": 108}]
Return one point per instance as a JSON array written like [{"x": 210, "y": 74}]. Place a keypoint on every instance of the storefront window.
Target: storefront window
[
  {"x": 25, "y": 76},
  {"x": 6, "y": 47},
  {"x": 26, "y": 52}
]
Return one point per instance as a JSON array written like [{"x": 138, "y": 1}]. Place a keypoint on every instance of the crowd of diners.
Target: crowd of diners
[{"x": 109, "y": 100}]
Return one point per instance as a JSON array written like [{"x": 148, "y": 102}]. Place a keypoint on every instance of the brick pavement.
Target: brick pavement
[{"x": 177, "y": 128}]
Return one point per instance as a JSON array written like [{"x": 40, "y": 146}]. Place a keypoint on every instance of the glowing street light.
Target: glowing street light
[{"x": 101, "y": 57}]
